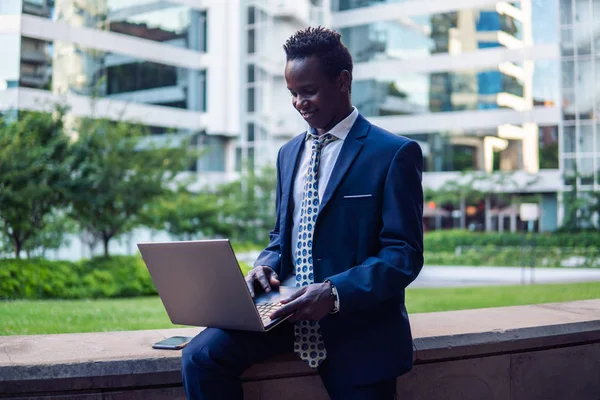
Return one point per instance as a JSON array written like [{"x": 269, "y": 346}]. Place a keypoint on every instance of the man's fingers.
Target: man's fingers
[
  {"x": 263, "y": 281},
  {"x": 293, "y": 296},
  {"x": 274, "y": 281},
  {"x": 285, "y": 310}
]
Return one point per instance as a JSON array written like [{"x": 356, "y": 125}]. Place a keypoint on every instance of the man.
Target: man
[{"x": 348, "y": 235}]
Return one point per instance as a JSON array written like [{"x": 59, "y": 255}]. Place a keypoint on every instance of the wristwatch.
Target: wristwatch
[{"x": 336, "y": 299}]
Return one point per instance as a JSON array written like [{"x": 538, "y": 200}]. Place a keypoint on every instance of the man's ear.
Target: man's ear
[{"x": 344, "y": 81}]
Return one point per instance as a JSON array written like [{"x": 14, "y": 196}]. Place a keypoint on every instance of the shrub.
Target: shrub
[
  {"x": 118, "y": 276},
  {"x": 449, "y": 240}
]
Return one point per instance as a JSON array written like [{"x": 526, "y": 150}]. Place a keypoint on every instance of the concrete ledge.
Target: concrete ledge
[{"x": 525, "y": 352}]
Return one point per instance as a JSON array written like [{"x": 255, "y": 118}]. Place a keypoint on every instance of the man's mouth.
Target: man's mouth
[{"x": 307, "y": 114}]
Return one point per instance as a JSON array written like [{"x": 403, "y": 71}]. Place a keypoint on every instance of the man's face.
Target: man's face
[{"x": 316, "y": 96}]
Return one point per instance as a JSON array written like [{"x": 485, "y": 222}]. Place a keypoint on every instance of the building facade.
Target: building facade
[
  {"x": 485, "y": 86},
  {"x": 166, "y": 64}
]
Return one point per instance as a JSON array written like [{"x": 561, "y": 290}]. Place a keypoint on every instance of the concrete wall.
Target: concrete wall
[{"x": 548, "y": 352}]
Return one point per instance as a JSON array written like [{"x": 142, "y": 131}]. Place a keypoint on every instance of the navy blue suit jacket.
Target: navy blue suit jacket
[{"x": 370, "y": 247}]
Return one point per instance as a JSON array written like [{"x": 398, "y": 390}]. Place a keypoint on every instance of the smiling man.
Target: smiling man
[{"x": 348, "y": 236}]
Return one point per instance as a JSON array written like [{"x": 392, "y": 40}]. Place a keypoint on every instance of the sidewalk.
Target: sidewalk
[{"x": 457, "y": 276}]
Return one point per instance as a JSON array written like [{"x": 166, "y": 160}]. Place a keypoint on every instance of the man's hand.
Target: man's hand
[
  {"x": 266, "y": 277},
  {"x": 309, "y": 303}
]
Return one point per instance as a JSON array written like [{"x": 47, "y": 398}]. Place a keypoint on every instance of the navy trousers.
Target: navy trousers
[{"x": 214, "y": 360}]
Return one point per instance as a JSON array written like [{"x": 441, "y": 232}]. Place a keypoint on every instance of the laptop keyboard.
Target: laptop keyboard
[{"x": 265, "y": 309}]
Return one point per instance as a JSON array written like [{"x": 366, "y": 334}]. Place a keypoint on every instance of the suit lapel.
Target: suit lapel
[
  {"x": 295, "y": 152},
  {"x": 352, "y": 146}
]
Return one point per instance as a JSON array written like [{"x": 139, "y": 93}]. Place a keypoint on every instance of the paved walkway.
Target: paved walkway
[
  {"x": 459, "y": 276},
  {"x": 456, "y": 276}
]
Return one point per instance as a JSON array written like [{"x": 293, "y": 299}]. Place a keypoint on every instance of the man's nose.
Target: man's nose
[{"x": 300, "y": 102}]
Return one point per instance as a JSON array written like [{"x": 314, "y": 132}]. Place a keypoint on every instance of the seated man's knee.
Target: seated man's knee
[
  {"x": 195, "y": 358},
  {"x": 206, "y": 355}
]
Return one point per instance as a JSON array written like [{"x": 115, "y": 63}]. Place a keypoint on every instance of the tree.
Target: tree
[
  {"x": 120, "y": 170},
  {"x": 187, "y": 215},
  {"x": 249, "y": 205},
  {"x": 52, "y": 236},
  {"x": 35, "y": 172},
  {"x": 458, "y": 192},
  {"x": 580, "y": 207}
]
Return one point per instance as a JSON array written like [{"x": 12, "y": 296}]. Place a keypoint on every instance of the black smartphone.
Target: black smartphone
[{"x": 172, "y": 343}]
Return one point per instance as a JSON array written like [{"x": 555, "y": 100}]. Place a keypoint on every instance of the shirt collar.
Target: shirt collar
[{"x": 342, "y": 128}]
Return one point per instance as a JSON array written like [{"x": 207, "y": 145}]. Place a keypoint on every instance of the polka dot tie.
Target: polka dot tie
[{"x": 309, "y": 343}]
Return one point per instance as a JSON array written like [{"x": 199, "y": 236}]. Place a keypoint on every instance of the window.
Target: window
[
  {"x": 250, "y": 71},
  {"x": 203, "y": 91},
  {"x": 250, "y": 131},
  {"x": 238, "y": 159},
  {"x": 250, "y": 98},
  {"x": 203, "y": 22},
  {"x": 251, "y": 41},
  {"x": 213, "y": 148},
  {"x": 251, "y": 15},
  {"x": 140, "y": 76}
]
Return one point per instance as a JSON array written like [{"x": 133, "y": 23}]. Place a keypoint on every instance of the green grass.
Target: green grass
[
  {"x": 445, "y": 299},
  {"x": 67, "y": 316}
]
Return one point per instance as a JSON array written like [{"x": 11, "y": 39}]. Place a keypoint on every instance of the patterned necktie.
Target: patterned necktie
[{"x": 309, "y": 343}]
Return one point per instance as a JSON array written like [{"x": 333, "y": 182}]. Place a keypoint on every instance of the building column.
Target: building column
[
  {"x": 513, "y": 222},
  {"x": 500, "y": 222},
  {"x": 488, "y": 215},
  {"x": 463, "y": 214}
]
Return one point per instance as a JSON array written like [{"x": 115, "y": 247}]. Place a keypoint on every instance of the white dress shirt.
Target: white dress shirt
[{"x": 329, "y": 156}]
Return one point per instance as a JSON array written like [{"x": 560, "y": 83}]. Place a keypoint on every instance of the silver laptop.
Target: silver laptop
[{"x": 200, "y": 284}]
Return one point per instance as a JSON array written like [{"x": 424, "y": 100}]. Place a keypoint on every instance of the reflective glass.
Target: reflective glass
[
  {"x": 568, "y": 74},
  {"x": 213, "y": 153},
  {"x": 566, "y": 12},
  {"x": 463, "y": 150},
  {"x": 584, "y": 92},
  {"x": 569, "y": 167},
  {"x": 548, "y": 145},
  {"x": 568, "y": 104},
  {"x": 250, "y": 130},
  {"x": 567, "y": 45},
  {"x": 416, "y": 93},
  {"x": 596, "y": 10},
  {"x": 569, "y": 140},
  {"x": 159, "y": 21},
  {"x": 545, "y": 13},
  {"x": 66, "y": 68},
  {"x": 583, "y": 11},
  {"x": 586, "y": 170},
  {"x": 343, "y": 5},
  {"x": 582, "y": 39},
  {"x": 420, "y": 36},
  {"x": 586, "y": 138},
  {"x": 36, "y": 63}
]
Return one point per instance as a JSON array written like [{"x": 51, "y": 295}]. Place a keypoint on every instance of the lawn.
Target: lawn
[{"x": 62, "y": 316}]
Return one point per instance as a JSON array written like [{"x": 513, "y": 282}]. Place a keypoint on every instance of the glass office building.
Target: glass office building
[
  {"x": 142, "y": 60},
  {"x": 477, "y": 85},
  {"x": 493, "y": 87},
  {"x": 580, "y": 62}
]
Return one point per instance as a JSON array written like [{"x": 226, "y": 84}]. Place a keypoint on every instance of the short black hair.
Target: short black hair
[{"x": 325, "y": 44}]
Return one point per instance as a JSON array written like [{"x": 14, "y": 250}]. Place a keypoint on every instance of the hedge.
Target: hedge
[
  {"x": 449, "y": 240},
  {"x": 552, "y": 257},
  {"x": 120, "y": 276}
]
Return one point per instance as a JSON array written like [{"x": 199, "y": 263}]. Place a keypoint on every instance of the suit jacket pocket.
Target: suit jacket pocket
[{"x": 358, "y": 201}]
